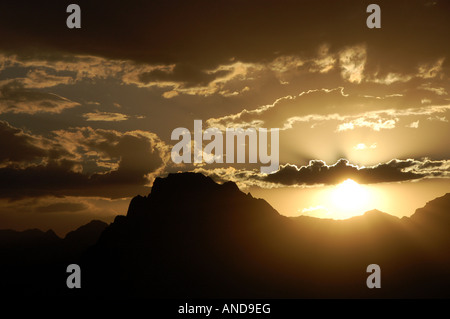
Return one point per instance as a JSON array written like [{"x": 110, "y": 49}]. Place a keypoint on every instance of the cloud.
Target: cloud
[
  {"x": 362, "y": 146},
  {"x": 367, "y": 121},
  {"x": 61, "y": 207},
  {"x": 285, "y": 63},
  {"x": 105, "y": 117},
  {"x": 430, "y": 70},
  {"x": 279, "y": 111},
  {"x": 15, "y": 98},
  {"x": 325, "y": 105},
  {"x": 23, "y": 149},
  {"x": 325, "y": 61},
  {"x": 231, "y": 78},
  {"x": 292, "y": 71},
  {"x": 391, "y": 78},
  {"x": 438, "y": 118},
  {"x": 79, "y": 161},
  {"x": 423, "y": 71},
  {"x": 318, "y": 173},
  {"x": 287, "y": 68},
  {"x": 60, "y": 214},
  {"x": 38, "y": 79},
  {"x": 413, "y": 124},
  {"x": 133, "y": 155},
  {"x": 352, "y": 61},
  {"x": 429, "y": 87},
  {"x": 219, "y": 32},
  {"x": 17, "y": 145},
  {"x": 50, "y": 69},
  {"x": 243, "y": 178},
  {"x": 225, "y": 79}
]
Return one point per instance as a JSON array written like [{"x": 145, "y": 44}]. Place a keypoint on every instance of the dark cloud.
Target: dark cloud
[
  {"x": 185, "y": 74},
  {"x": 79, "y": 162},
  {"x": 18, "y": 146},
  {"x": 206, "y": 34},
  {"x": 21, "y": 147},
  {"x": 15, "y": 98},
  {"x": 318, "y": 172},
  {"x": 59, "y": 179},
  {"x": 180, "y": 46},
  {"x": 61, "y": 207},
  {"x": 138, "y": 155},
  {"x": 431, "y": 164},
  {"x": 53, "y": 178}
]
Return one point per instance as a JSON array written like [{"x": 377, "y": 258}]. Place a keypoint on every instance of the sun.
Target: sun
[
  {"x": 342, "y": 201},
  {"x": 349, "y": 199}
]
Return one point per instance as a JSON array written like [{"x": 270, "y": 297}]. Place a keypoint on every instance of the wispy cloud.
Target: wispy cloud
[
  {"x": 105, "y": 117},
  {"x": 352, "y": 61},
  {"x": 413, "y": 124},
  {"x": 362, "y": 146},
  {"x": 15, "y": 98},
  {"x": 286, "y": 111}
]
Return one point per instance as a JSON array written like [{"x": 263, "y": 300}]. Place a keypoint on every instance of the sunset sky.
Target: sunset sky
[{"x": 86, "y": 115}]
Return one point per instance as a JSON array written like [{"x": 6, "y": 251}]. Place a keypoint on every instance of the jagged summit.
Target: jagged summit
[
  {"x": 186, "y": 190},
  {"x": 436, "y": 209},
  {"x": 26, "y": 237},
  {"x": 86, "y": 234},
  {"x": 376, "y": 214},
  {"x": 180, "y": 180},
  {"x": 189, "y": 182}
]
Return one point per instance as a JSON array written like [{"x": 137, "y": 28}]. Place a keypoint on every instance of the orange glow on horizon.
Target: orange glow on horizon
[{"x": 342, "y": 201}]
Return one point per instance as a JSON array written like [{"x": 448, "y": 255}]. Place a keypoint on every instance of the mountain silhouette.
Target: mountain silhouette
[
  {"x": 35, "y": 261},
  {"x": 194, "y": 238},
  {"x": 80, "y": 239}
]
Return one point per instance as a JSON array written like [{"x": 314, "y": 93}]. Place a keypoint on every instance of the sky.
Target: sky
[{"x": 86, "y": 115}]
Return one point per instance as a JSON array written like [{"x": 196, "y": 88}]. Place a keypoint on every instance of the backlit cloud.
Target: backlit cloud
[
  {"x": 352, "y": 61},
  {"x": 318, "y": 173},
  {"x": 15, "y": 98},
  {"x": 312, "y": 106},
  {"x": 79, "y": 161},
  {"x": 105, "y": 117}
]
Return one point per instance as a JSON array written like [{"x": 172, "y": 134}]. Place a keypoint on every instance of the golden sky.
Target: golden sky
[{"x": 86, "y": 114}]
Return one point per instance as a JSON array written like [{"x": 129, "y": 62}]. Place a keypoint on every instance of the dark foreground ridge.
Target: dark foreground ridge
[
  {"x": 33, "y": 262},
  {"x": 194, "y": 238}
]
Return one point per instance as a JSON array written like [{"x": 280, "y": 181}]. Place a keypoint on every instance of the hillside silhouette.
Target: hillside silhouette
[
  {"x": 35, "y": 261},
  {"x": 194, "y": 238}
]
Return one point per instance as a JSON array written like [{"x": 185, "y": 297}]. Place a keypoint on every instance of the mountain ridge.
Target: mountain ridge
[
  {"x": 190, "y": 220},
  {"x": 194, "y": 238}
]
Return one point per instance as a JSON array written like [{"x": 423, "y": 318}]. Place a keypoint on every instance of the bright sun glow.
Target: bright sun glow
[
  {"x": 349, "y": 199},
  {"x": 342, "y": 201}
]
